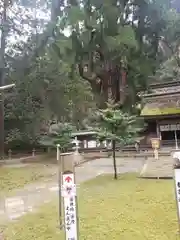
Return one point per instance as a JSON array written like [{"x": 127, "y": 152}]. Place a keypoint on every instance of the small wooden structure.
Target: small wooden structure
[{"x": 88, "y": 140}]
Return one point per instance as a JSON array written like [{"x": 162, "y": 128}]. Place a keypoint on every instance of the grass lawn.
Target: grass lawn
[
  {"x": 127, "y": 209},
  {"x": 13, "y": 178}
]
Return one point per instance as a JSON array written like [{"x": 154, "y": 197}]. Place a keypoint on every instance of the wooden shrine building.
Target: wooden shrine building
[{"x": 161, "y": 112}]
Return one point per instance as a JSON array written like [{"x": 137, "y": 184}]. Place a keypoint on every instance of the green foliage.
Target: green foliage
[
  {"x": 105, "y": 40},
  {"x": 106, "y": 37},
  {"x": 59, "y": 134},
  {"x": 169, "y": 44},
  {"x": 63, "y": 135},
  {"x": 117, "y": 126},
  {"x": 43, "y": 95},
  {"x": 114, "y": 124},
  {"x": 16, "y": 178}
]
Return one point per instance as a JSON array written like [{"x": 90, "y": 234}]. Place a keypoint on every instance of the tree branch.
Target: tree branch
[
  {"x": 90, "y": 79},
  {"x": 172, "y": 51}
]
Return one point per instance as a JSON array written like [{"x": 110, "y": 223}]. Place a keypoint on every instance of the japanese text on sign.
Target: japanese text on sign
[
  {"x": 169, "y": 127},
  {"x": 70, "y": 218},
  {"x": 68, "y": 190}
]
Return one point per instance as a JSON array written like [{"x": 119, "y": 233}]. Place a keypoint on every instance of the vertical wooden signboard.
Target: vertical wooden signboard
[
  {"x": 68, "y": 193},
  {"x": 70, "y": 211}
]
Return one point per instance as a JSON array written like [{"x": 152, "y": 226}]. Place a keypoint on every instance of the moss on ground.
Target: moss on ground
[
  {"x": 17, "y": 177},
  {"x": 129, "y": 208}
]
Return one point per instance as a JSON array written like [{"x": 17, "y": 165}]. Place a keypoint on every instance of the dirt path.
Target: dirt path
[{"x": 32, "y": 196}]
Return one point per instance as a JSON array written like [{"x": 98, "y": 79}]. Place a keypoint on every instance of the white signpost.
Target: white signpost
[
  {"x": 68, "y": 192},
  {"x": 177, "y": 188},
  {"x": 176, "y": 157}
]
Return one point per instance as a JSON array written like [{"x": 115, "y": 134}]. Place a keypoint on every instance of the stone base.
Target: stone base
[
  {"x": 158, "y": 169},
  {"x": 78, "y": 158}
]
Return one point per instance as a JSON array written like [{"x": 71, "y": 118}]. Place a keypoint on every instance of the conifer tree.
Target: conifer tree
[{"x": 117, "y": 127}]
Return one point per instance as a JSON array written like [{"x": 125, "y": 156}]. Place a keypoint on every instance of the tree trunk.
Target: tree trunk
[
  {"x": 114, "y": 158},
  {"x": 2, "y": 75}
]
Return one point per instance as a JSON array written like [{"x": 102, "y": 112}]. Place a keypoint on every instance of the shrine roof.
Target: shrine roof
[
  {"x": 164, "y": 105},
  {"x": 156, "y": 111},
  {"x": 160, "y": 89},
  {"x": 83, "y": 133},
  {"x": 165, "y": 84},
  {"x": 162, "y": 92}
]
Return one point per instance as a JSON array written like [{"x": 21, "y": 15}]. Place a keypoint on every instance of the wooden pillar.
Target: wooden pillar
[
  {"x": 158, "y": 132},
  {"x": 85, "y": 143},
  {"x": 175, "y": 136}
]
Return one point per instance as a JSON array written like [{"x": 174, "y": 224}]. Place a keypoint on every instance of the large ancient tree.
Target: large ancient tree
[
  {"x": 112, "y": 44},
  {"x": 44, "y": 92}
]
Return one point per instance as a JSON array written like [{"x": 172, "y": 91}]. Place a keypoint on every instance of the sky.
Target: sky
[
  {"x": 24, "y": 17},
  {"x": 19, "y": 14},
  {"x": 176, "y": 4},
  {"x": 24, "y": 20}
]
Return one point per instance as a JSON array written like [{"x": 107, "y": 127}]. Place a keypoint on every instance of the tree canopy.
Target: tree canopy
[
  {"x": 117, "y": 127},
  {"x": 114, "y": 44},
  {"x": 69, "y": 61}
]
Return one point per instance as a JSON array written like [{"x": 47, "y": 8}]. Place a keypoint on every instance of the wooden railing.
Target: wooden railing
[{"x": 169, "y": 143}]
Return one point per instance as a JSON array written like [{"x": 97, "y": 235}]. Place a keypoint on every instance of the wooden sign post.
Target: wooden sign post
[
  {"x": 177, "y": 187},
  {"x": 68, "y": 193},
  {"x": 59, "y": 184},
  {"x": 155, "y": 145}
]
